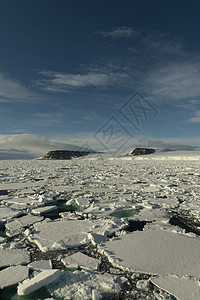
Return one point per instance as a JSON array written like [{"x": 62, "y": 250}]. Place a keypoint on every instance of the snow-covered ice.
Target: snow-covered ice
[
  {"x": 43, "y": 210},
  {"x": 15, "y": 226},
  {"x": 155, "y": 252},
  {"x": 13, "y": 275},
  {"x": 97, "y": 205},
  {"x": 80, "y": 260},
  {"x": 85, "y": 286},
  {"x": 41, "y": 265},
  {"x": 42, "y": 279},
  {"x": 9, "y": 257},
  {"x": 181, "y": 288},
  {"x": 64, "y": 234},
  {"x": 7, "y": 213}
]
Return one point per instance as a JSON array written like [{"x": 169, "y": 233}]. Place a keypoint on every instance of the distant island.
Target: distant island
[
  {"x": 65, "y": 154},
  {"x": 143, "y": 151}
]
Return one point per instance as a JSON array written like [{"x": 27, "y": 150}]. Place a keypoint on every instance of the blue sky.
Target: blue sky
[{"x": 76, "y": 72}]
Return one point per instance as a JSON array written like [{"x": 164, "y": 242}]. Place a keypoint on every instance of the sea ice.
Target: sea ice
[
  {"x": 181, "y": 288},
  {"x": 44, "y": 209},
  {"x": 80, "y": 260},
  {"x": 7, "y": 213},
  {"x": 9, "y": 257},
  {"x": 15, "y": 226},
  {"x": 66, "y": 234},
  {"x": 86, "y": 286},
  {"x": 155, "y": 252},
  {"x": 13, "y": 275},
  {"x": 41, "y": 265},
  {"x": 83, "y": 202},
  {"x": 19, "y": 185},
  {"x": 42, "y": 279}
]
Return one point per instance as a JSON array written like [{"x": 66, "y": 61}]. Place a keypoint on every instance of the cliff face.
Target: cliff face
[
  {"x": 64, "y": 154},
  {"x": 142, "y": 151}
]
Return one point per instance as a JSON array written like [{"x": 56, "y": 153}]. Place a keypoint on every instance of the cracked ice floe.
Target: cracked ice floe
[
  {"x": 181, "y": 288},
  {"x": 41, "y": 265},
  {"x": 155, "y": 252},
  {"x": 13, "y": 275},
  {"x": 14, "y": 226},
  {"x": 7, "y": 213},
  {"x": 9, "y": 257},
  {"x": 44, "y": 210},
  {"x": 63, "y": 234},
  {"x": 19, "y": 185},
  {"x": 80, "y": 260},
  {"x": 42, "y": 279},
  {"x": 86, "y": 286}
]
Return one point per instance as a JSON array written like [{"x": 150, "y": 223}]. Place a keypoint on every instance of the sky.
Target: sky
[{"x": 98, "y": 74}]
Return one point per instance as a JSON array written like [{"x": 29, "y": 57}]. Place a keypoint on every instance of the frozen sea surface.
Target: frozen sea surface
[{"x": 121, "y": 228}]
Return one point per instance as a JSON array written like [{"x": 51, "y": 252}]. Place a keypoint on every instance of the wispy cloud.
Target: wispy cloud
[
  {"x": 159, "y": 44},
  {"x": 29, "y": 146},
  {"x": 121, "y": 32},
  {"x": 11, "y": 89},
  {"x": 175, "y": 81},
  {"x": 60, "y": 82},
  {"x": 156, "y": 65},
  {"x": 196, "y": 118}
]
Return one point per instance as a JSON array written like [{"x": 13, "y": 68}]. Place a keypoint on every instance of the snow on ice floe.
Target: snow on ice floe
[
  {"x": 80, "y": 260},
  {"x": 42, "y": 279},
  {"x": 155, "y": 252},
  {"x": 18, "y": 185},
  {"x": 13, "y": 275},
  {"x": 7, "y": 213},
  {"x": 64, "y": 234},
  {"x": 9, "y": 257},
  {"x": 41, "y": 265},
  {"x": 85, "y": 286},
  {"x": 14, "y": 226},
  {"x": 43, "y": 210},
  {"x": 108, "y": 194},
  {"x": 182, "y": 288}
]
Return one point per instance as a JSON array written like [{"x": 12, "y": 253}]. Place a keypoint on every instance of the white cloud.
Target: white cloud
[
  {"x": 12, "y": 89},
  {"x": 121, "y": 32},
  {"x": 29, "y": 146},
  {"x": 60, "y": 82},
  {"x": 158, "y": 43},
  {"x": 195, "y": 119},
  {"x": 173, "y": 82}
]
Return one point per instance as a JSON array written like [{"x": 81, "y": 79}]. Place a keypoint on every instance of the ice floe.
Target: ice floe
[
  {"x": 42, "y": 279},
  {"x": 13, "y": 275},
  {"x": 41, "y": 265},
  {"x": 181, "y": 288},
  {"x": 9, "y": 257},
  {"x": 85, "y": 286},
  {"x": 15, "y": 226},
  {"x": 90, "y": 203},
  {"x": 7, "y": 213},
  {"x": 155, "y": 252},
  {"x": 80, "y": 260},
  {"x": 64, "y": 234}
]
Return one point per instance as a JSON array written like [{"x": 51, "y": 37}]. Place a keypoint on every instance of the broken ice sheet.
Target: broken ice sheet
[
  {"x": 9, "y": 257},
  {"x": 80, "y": 260},
  {"x": 85, "y": 286},
  {"x": 42, "y": 279},
  {"x": 15, "y": 226},
  {"x": 181, "y": 288},
  {"x": 155, "y": 252},
  {"x": 44, "y": 210},
  {"x": 7, "y": 213},
  {"x": 64, "y": 234},
  {"x": 41, "y": 265},
  {"x": 13, "y": 275}
]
